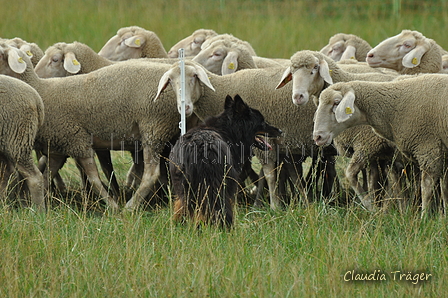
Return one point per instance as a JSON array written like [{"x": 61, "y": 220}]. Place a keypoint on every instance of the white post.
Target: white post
[{"x": 182, "y": 124}]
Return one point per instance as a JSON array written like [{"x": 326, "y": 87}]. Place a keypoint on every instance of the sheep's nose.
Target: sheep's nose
[
  {"x": 300, "y": 98},
  {"x": 317, "y": 138},
  {"x": 370, "y": 55}
]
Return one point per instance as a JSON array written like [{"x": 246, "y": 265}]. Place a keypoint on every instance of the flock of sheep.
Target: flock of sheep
[{"x": 73, "y": 102}]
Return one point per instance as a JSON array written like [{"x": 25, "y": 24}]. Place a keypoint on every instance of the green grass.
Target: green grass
[
  {"x": 74, "y": 251},
  {"x": 296, "y": 253}
]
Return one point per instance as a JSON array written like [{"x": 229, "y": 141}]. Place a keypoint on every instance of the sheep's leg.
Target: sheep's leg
[
  {"x": 329, "y": 175},
  {"x": 355, "y": 166},
  {"x": 427, "y": 187},
  {"x": 260, "y": 189},
  {"x": 34, "y": 181},
  {"x": 6, "y": 172},
  {"x": 89, "y": 166},
  {"x": 106, "y": 165},
  {"x": 295, "y": 172},
  {"x": 374, "y": 183},
  {"x": 52, "y": 165},
  {"x": 135, "y": 173},
  {"x": 394, "y": 179},
  {"x": 309, "y": 176},
  {"x": 444, "y": 191},
  {"x": 364, "y": 179},
  {"x": 282, "y": 180},
  {"x": 150, "y": 176},
  {"x": 270, "y": 174},
  {"x": 57, "y": 179}
]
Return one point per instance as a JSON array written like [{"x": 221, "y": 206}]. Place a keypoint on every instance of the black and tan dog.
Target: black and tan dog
[{"x": 207, "y": 161}]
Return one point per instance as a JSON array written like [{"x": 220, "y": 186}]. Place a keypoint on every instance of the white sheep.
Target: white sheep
[
  {"x": 133, "y": 42},
  {"x": 21, "y": 116},
  {"x": 106, "y": 109},
  {"x": 191, "y": 44},
  {"x": 410, "y": 113},
  {"x": 257, "y": 87},
  {"x": 30, "y": 48},
  {"x": 66, "y": 59},
  {"x": 229, "y": 38},
  {"x": 311, "y": 72},
  {"x": 346, "y": 46},
  {"x": 225, "y": 54},
  {"x": 408, "y": 53}
]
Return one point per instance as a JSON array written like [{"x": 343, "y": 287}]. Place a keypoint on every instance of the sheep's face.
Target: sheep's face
[
  {"x": 308, "y": 74},
  {"x": 404, "y": 50},
  {"x": 51, "y": 64},
  {"x": 335, "y": 50},
  {"x": 194, "y": 75},
  {"x": 191, "y": 44},
  {"x": 212, "y": 58},
  {"x": 334, "y": 114},
  {"x": 124, "y": 47}
]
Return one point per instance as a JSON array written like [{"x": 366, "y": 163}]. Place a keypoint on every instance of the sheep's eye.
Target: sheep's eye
[{"x": 55, "y": 60}]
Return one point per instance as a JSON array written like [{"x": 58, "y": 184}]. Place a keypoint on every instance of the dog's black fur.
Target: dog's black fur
[{"x": 207, "y": 161}]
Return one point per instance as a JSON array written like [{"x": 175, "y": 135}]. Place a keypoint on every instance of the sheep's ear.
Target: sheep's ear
[
  {"x": 71, "y": 64},
  {"x": 203, "y": 77},
  {"x": 27, "y": 49},
  {"x": 349, "y": 53},
  {"x": 163, "y": 83},
  {"x": 15, "y": 61},
  {"x": 414, "y": 57},
  {"x": 134, "y": 41},
  {"x": 345, "y": 109},
  {"x": 324, "y": 71},
  {"x": 230, "y": 63},
  {"x": 286, "y": 77}
]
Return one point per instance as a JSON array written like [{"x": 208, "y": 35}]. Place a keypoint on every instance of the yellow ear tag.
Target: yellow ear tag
[
  {"x": 75, "y": 62},
  {"x": 29, "y": 53},
  {"x": 137, "y": 42},
  {"x": 415, "y": 61},
  {"x": 20, "y": 60},
  {"x": 352, "y": 57},
  {"x": 348, "y": 111},
  {"x": 331, "y": 71},
  {"x": 231, "y": 66}
]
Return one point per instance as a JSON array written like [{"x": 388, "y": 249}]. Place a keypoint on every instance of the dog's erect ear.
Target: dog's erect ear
[
  {"x": 240, "y": 106},
  {"x": 228, "y": 102}
]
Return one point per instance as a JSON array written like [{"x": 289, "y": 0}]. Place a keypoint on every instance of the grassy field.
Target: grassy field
[{"x": 314, "y": 251}]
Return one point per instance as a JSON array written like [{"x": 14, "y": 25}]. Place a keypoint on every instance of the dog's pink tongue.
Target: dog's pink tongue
[{"x": 262, "y": 140}]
